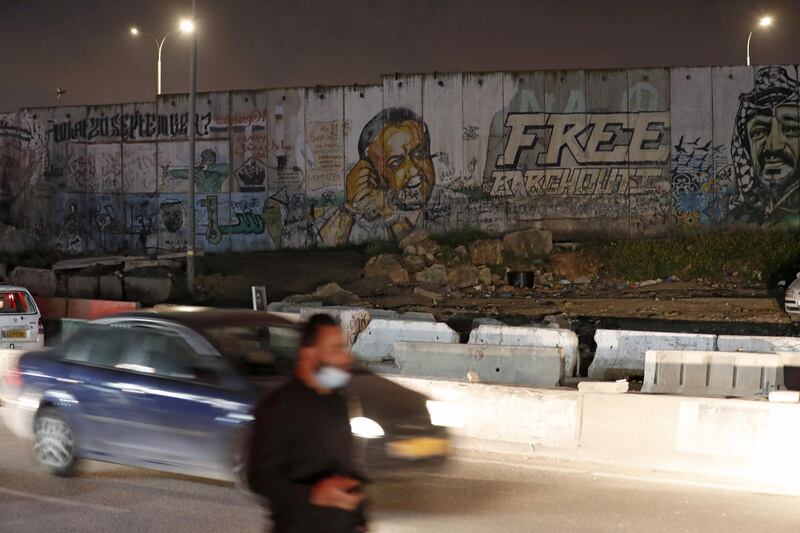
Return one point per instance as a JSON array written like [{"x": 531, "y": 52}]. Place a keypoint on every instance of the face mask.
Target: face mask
[{"x": 330, "y": 377}]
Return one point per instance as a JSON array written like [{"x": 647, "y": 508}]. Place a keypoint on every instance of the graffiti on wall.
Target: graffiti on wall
[{"x": 576, "y": 152}]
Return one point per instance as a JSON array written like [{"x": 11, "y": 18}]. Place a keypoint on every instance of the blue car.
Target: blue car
[{"x": 173, "y": 390}]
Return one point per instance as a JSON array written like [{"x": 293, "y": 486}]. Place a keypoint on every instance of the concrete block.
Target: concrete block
[
  {"x": 621, "y": 353},
  {"x": 784, "y": 396},
  {"x": 493, "y": 416},
  {"x": 111, "y": 288},
  {"x": 51, "y": 307},
  {"x": 282, "y": 307},
  {"x": 413, "y": 315},
  {"x": 352, "y": 320},
  {"x": 40, "y": 281},
  {"x": 606, "y": 387},
  {"x": 708, "y": 373},
  {"x": 748, "y": 343},
  {"x": 517, "y": 365},
  {"x": 91, "y": 309},
  {"x": 83, "y": 287},
  {"x": 149, "y": 291},
  {"x": 530, "y": 336},
  {"x": 377, "y": 341}
]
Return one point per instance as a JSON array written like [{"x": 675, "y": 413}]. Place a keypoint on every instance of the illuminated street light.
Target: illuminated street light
[
  {"x": 185, "y": 26},
  {"x": 764, "y": 22}
]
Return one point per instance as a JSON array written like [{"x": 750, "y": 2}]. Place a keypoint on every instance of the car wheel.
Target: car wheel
[{"x": 54, "y": 442}]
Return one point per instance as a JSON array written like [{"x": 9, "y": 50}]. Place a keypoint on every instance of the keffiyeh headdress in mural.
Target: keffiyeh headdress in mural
[{"x": 773, "y": 87}]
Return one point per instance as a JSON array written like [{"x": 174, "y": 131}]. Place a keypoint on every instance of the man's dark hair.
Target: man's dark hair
[
  {"x": 388, "y": 117},
  {"x": 310, "y": 331}
]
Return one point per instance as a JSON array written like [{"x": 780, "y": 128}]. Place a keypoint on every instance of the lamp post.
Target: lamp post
[
  {"x": 185, "y": 26},
  {"x": 763, "y": 22},
  {"x": 190, "y": 248}
]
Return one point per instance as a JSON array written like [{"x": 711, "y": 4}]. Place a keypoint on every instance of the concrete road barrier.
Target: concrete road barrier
[
  {"x": 504, "y": 418},
  {"x": 621, "y": 353},
  {"x": 518, "y": 365},
  {"x": 377, "y": 341},
  {"x": 530, "y": 336},
  {"x": 751, "y": 442},
  {"x": 748, "y": 343},
  {"x": 729, "y": 374},
  {"x": 352, "y": 320}
]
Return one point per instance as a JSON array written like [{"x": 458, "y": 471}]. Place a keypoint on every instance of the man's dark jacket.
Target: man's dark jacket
[{"x": 299, "y": 438}]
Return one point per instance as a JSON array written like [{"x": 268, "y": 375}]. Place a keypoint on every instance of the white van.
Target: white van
[{"x": 20, "y": 320}]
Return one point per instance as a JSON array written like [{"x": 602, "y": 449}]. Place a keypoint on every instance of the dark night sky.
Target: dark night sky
[{"x": 84, "y": 45}]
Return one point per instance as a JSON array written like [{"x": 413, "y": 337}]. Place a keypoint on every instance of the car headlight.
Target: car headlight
[
  {"x": 446, "y": 414},
  {"x": 366, "y": 428}
]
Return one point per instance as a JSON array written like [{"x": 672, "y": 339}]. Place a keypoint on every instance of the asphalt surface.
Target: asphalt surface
[{"x": 475, "y": 493}]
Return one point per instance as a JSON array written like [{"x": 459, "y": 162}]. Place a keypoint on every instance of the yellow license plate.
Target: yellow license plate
[
  {"x": 15, "y": 334},
  {"x": 416, "y": 448}
]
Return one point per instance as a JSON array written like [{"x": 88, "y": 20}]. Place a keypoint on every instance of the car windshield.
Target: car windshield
[
  {"x": 16, "y": 302},
  {"x": 255, "y": 349}
]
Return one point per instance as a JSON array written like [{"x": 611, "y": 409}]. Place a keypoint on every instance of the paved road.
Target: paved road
[{"x": 474, "y": 494}]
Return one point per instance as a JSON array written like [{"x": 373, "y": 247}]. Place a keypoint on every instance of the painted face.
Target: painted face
[
  {"x": 403, "y": 156},
  {"x": 172, "y": 215},
  {"x": 774, "y": 145}
]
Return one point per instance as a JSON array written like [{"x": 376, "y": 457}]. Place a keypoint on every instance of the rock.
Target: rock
[
  {"x": 485, "y": 276},
  {"x": 414, "y": 238},
  {"x": 433, "y": 275},
  {"x": 497, "y": 280},
  {"x": 427, "y": 247},
  {"x": 333, "y": 293},
  {"x": 486, "y": 252},
  {"x": 149, "y": 291},
  {"x": 387, "y": 267},
  {"x": 410, "y": 250},
  {"x": 463, "y": 276},
  {"x": 486, "y": 321},
  {"x": 414, "y": 263},
  {"x": 560, "y": 320},
  {"x": 15, "y": 241},
  {"x": 531, "y": 243},
  {"x": 40, "y": 281},
  {"x": 573, "y": 265},
  {"x": 582, "y": 280},
  {"x": 430, "y": 259},
  {"x": 462, "y": 252},
  {"x": 430, "y": 295}
]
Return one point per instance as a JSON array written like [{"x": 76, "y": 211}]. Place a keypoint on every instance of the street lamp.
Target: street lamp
[
  {"x": 185, "y": 26},
  {"x": 763, "y": 22}
]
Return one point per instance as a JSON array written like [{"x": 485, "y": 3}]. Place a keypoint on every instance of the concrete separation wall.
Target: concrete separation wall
[
  {"x": 753, "y": 442},
  {"x": 738, "y": 374},
  {"x": 377, "y": 341},
  {"x": 530, "y": 336},
  {"x": 621, "y": 353},
  {"x": 518, "y": 365}
]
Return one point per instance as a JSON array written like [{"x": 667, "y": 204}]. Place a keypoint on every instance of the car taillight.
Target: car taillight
[
  {"x": 41, "y": 326},
  {"x": 13, "y": 377}
]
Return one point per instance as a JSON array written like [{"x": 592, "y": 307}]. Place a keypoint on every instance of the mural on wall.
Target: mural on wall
[
  {"x": 611, "y": 153},
  {"x": 765, "y": 153},
  {"x": 390, "y": 185}
]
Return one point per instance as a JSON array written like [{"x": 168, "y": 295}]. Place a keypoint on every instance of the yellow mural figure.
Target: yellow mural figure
[{"x": 387, "y": 189}]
